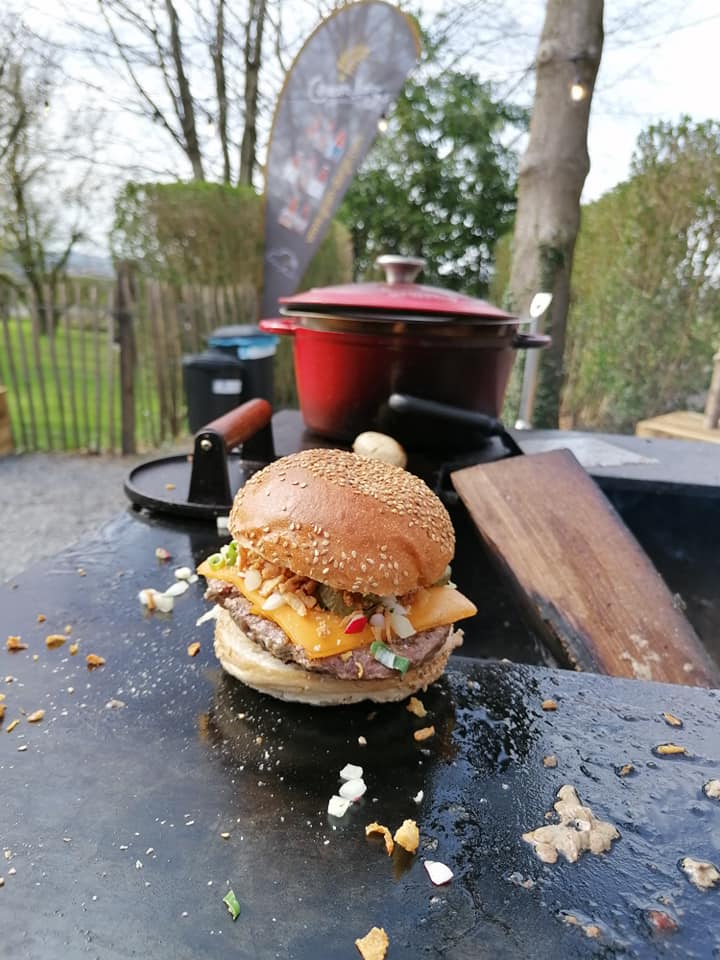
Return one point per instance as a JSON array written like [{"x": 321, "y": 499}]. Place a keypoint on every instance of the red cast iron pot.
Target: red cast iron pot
[{"x": 357, "y": 344}]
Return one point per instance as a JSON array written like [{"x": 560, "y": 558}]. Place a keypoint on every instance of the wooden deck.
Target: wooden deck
[{"x": 679, "y": 425}]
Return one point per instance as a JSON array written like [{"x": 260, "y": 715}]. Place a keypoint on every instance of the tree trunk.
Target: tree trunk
[
  {"x": 218, "y": 58},
  {"x": 186, "y": 106},
  {"x": 551, "y": 179},
  {"x": 253, "y": 56}
]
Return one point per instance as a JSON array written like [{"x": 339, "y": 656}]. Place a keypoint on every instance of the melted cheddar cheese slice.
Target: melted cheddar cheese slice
[{"x": 321, "y": 632}]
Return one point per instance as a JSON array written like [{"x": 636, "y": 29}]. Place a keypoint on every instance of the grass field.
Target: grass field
[{"x": 63, "y": 389}]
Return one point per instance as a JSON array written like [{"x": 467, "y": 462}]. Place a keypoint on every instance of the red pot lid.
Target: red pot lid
[{"x": 398, "y": 295}]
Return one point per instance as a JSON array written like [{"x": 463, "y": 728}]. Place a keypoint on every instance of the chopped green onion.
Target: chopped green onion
[
  {"x": 387, "y": 658},
  {"x": 229, "y": 553},
  {"x": 216, "y": 560},
  {"x": 231, "y": 902}
]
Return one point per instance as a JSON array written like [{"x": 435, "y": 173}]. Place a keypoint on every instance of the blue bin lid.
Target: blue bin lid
[{"x": 249, "y": 341}]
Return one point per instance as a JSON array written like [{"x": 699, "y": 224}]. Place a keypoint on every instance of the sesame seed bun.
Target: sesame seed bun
[
  {"x": 255, "y": 667},
  {"x": 352, "y": 522}
]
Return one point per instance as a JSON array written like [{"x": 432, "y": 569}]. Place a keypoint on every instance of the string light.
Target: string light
[
  {"x": 46, "y": 108},
  {"x": 578, "y": 89},
  {"x": 211, "y": 125},
  {"x": 382, "y": 123}
]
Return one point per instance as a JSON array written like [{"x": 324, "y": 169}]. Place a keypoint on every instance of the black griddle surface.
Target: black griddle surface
[{"x": 113, "y": 815}]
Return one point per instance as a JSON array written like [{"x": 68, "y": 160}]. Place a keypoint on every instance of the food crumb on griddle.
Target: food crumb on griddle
[
  {"x": 669, "y": 750},
  {"x": 671, "y": 720},
  {"x": 549, "y": 705},
  {"x": 374, "y": 945},
  {"x": 661, "y": 922},
  {"x": 424, "y": 734},
  {"x": 701, "y": 873},
  {"x": 379, "y": 828},
  {"x": 407, "y": 836},
  {"x": 578, "y": 831},
  {"x": 712, "y": 789},
  {"x": 416, "y": 707}
]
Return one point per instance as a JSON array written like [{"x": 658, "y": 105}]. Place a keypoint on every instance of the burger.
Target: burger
[{"x": 336, "y": 585}]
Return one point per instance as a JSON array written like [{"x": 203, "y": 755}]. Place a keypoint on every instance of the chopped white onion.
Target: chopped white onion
[
  {"x": 337, "y": 806},
  {"x": 183, "y": 573},
  {"x": 193, "y": 578},
  {"x": 252, "y": 580},
  {"x": 222, "y": 524},
  {"x": 401, "y": 625},
  {"x": 377, "y": 620},
  {"x": 156, "y": 600},
  {"x": 391, "y": 604},
  {"x": 438, "y": 872},
  {"x": 274, "y": 601},
  {"x": 418, "y": 796},
  {"x": 352, "y": 789},
  {"x": 351, "y": 772},
  {"x": 210, "y": 615},
  {"x": 177, "y": 589},
  {"x": 163, "y": 602}
]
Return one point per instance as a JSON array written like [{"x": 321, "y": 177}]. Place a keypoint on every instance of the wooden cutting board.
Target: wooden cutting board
[{"x": 586, "y": 582}]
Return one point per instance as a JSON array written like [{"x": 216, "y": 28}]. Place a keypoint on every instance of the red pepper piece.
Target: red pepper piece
[{"x": 357, "y": 624}]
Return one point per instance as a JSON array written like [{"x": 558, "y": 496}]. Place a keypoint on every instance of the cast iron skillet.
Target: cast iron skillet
[{"x": 202, "y": 485}]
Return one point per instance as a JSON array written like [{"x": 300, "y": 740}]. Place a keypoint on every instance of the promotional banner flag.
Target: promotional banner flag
[{"x": 342, "y": 82}]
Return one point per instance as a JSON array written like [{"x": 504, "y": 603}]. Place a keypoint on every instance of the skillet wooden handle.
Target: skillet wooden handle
[{"x": 238, "y": 425}]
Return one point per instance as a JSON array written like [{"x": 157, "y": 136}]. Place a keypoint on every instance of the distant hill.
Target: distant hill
[
  {"x": 90, "y": 265},
  {"x": 79, "y": 265}
]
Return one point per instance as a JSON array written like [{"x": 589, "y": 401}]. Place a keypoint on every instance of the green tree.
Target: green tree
[
  {"x": 440, "y": 183},
  {"x": 645, "y": 321},
  {"x": 208, "y": 233}
]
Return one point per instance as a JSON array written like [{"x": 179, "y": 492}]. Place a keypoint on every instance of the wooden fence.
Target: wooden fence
[{"x": 97, "y": 366}]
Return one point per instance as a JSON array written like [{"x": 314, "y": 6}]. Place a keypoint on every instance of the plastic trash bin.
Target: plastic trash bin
[
  {"x": 237, "y": 367},
  {"x": 256, "y": 351},
  {"x": 213, "y": 385}
]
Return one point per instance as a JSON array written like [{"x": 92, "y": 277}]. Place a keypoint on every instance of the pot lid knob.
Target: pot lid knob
[{"x": 400, "y": 269}]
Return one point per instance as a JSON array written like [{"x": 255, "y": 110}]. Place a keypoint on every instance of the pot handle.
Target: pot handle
[
  {"x": 282, "y": 325},
  {"x": 531, "y": 341}
]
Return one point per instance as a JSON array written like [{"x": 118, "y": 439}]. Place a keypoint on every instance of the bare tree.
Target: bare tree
[
  {"x": 552, "y": 174},
  {"x": 253, "y": 53},
  {"x": 12, "y": 121},
  {"x": 188, "y": 67},
  {"x": 41, "y": 209}
]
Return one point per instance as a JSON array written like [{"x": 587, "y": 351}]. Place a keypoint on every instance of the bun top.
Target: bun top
[{"x": 351, "y": 522}]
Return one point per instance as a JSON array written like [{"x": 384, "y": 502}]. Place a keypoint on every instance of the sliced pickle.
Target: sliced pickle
[{"x": 331, "y": 599}]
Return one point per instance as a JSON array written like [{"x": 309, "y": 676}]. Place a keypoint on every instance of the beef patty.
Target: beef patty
[{"x": 418, "y": 648}]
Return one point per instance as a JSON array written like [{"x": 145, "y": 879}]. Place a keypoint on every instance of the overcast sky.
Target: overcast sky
[{"x": 660, "y": 67}]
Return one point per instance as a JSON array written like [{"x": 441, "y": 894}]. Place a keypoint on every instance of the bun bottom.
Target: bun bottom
[{"x": 255, "y": 667}]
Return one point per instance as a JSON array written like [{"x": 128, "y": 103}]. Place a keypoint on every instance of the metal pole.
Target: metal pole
[{"x": 538, "y": 307}]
